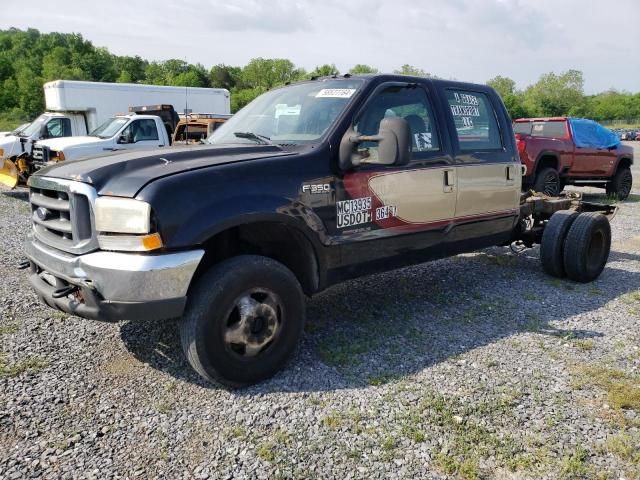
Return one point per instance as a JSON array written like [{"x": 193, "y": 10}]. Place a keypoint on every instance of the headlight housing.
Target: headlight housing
[
  {"x": 124, "y": 224},
  {"x": 122, "y": 215}
]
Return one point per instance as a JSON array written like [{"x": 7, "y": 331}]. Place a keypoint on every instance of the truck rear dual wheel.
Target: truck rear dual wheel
[
  {"x": 243, "y": 320},
  {"x": 576, "y": 245},
  {"x": 620, "y": 185},
  {"x": 587, "y": 247},
  {"x": 553, "y": 240}
]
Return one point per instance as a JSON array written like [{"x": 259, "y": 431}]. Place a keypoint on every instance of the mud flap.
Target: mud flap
[{"x": 9, "y": 174}]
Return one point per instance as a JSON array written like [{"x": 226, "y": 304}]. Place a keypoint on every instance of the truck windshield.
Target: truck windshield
[
  {"x": 35, "y": 126},
  {"x": 109, "y": 128},
  {"x": 297, "y": 114}
]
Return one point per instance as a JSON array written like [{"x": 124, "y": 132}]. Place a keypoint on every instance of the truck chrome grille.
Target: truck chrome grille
[
  {"x": 62, "y": 214},
  {"x": 38, "y": 152}
]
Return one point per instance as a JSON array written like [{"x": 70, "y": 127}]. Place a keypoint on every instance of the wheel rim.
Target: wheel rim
[
  {"x": 253, "y": 323},
  {"x": 550, "y": 185}
]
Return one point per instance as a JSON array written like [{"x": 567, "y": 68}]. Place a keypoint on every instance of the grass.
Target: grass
[
  {"x": 332, "y": 421},
  {"x": 575, "y": 465},
  {"x": 623, "y": 390},
  {"x": 236, "y": 431},
  {"x": 31, "y": 364},
  {"x": 632, "y": 297},
  {"x": 266, "y": 451},
  {"x": 163, "y": 407},
  {"x": 9, "y": 329},
  {"x": 625, "y": 446},
  {"x": 585, "y": 344}
]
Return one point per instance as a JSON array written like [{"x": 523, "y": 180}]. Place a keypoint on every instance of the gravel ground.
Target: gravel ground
[{"x": 472, "y": 367}]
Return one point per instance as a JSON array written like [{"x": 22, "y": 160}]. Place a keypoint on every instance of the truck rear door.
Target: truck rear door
[{"x": 487, "y": 168}]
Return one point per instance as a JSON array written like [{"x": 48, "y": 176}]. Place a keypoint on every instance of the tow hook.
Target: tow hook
[
  {"x": 64, "y": 291},
  {"x": 24, "y": 265}
]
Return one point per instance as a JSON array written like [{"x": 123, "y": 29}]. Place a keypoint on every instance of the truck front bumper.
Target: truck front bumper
[{"x": 113, "y": 286}]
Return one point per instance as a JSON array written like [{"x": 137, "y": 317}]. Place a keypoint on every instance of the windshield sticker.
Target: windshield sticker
[
  {"x": 353, "y": 212},
  {"x": 336, "y": 93}
]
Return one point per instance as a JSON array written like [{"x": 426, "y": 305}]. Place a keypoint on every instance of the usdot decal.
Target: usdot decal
[
  {"x": 336, "y": 93},
  {"x": 385, "y": 212},
  {"x": 353, "y": 212},
  {"x": 316, "y": 188}
]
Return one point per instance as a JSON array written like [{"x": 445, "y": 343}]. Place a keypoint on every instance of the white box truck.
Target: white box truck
[{"x": 77, "y": 108}]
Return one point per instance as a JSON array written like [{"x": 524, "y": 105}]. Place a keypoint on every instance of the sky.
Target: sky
[{"x": 469, "y": 40}]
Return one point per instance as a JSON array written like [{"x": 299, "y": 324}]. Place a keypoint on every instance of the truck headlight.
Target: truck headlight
[
  {"x": 117, "y": 216},
  {"x": 57, "y": 156},
  {"x": 122, "y": 215}
]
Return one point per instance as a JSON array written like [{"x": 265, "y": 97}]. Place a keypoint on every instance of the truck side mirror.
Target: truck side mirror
[
  {"x": 44, "y": 132},
  {"x": 394, "y": 145},
  {"x": 123, "y": 138}
]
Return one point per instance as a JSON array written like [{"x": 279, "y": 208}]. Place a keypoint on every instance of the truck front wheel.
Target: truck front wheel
[
  {"x": 243, "y": 320},
  {"x": 620, "y": 185},
  {"x": 587, "y": 247},
  {"x": 548, "y": 182}
]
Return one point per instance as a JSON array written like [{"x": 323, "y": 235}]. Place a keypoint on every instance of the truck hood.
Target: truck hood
[
  {"x": 10, "y": 144},
  {"x": 125, "y": 174},
  {"x": 62, "y": 143}
]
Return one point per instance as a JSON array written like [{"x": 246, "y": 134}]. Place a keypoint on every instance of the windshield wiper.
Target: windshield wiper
[{"x": 261, "y": 139}]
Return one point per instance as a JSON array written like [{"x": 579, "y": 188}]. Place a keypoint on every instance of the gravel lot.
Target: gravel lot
[{"x": 472, "y": 367}]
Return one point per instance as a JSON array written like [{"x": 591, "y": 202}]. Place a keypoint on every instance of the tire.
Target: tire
[
  {"x": 243, "y": 320},
  {"x": 587, "y": 247},
  {"x": 548, "y": 182},
  {"x": 620, "y": 185},
  {"x": 553, "y": 240}
]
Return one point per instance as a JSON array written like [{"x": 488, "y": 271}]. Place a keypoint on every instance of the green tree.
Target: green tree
[
  {"x": 224, "y": 76},
  {"x": 265, "y": 73},
  {"x": 362, "y": 69},
  {"x": 513, "y": 99},
  {"x": 407, "y": 69},
  {"x": 325, "y": 70},
  {"x": 555, "y": 95},
  {"x": 130, "y": 69}
]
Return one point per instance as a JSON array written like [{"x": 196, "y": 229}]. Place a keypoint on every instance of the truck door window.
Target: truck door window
[
  {"x": 408, "y": 102},
  {"x": 58, "y": 127},
  {"x": 141, "y": 130},
  {"x": 475, "y": 120}
]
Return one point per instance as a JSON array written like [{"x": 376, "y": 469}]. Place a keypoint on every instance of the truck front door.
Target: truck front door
[
  {"x": 141, "y": 133},
  {"x": 406, "y": 209}
]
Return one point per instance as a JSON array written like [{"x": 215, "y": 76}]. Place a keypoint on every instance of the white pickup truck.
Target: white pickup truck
[{"x": 121, "y": 132}]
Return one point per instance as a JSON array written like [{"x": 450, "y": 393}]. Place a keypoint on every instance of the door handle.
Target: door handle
[
  {"x": 510, "y": 173},
  {"x": 449, "y": 180}
]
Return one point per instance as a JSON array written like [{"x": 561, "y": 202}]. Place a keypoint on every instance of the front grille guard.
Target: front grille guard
[{"x": 82, "y": 199}]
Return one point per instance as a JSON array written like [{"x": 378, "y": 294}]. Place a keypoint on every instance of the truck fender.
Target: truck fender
[
  {"x": 245, "y": 210},
  {"x": 545, "y": 153}
]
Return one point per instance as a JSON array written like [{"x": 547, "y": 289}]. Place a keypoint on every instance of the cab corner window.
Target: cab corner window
[
  {"x": 410, "y": 103},
  {"x": 475, "y": 120}
]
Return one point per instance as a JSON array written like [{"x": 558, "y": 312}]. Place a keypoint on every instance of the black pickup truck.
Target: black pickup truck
[{"x": 309, "y": 185}]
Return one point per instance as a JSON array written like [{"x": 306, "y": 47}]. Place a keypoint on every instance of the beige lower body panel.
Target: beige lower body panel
[
  {"x": 418, "y": 194},
  {"x": 484, "y": 189}
]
